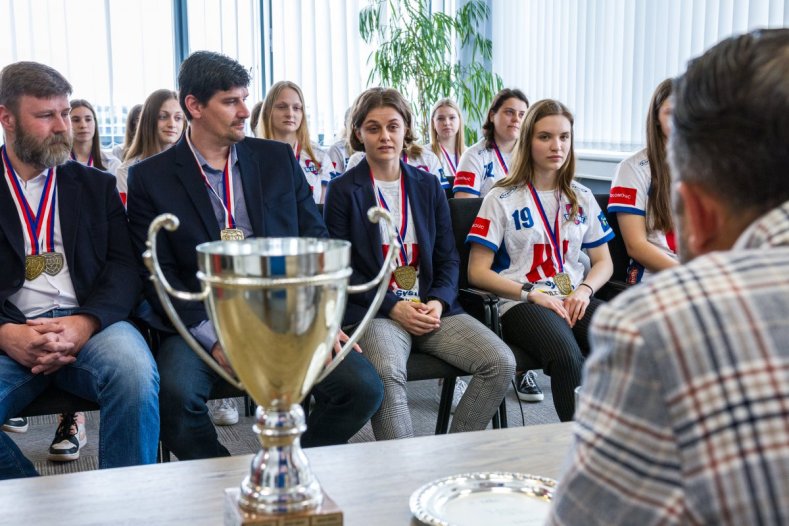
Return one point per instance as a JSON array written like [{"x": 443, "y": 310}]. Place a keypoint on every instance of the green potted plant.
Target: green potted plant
[{"x": 415, "y": 50}]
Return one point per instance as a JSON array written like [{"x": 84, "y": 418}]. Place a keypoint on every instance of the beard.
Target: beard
[{"x": 52, "y": 151}]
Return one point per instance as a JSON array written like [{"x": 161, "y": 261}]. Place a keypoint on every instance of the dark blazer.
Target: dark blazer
[
  {"x": 348, "y": 198},
  {"x": 278, "y": 199},
  {"x": 99, "y": 253}
]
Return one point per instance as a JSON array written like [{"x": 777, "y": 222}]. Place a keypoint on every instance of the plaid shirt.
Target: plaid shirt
[{"x": 684, "y": 415}]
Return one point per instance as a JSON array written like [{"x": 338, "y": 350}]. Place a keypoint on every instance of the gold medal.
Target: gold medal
[
  {"x": 34, "y": 266},
  {"x": 563, "y": 283},
  {"x": 231, "y": 234},
  {"x": 53, "y": 263},
  {"x": 405, "y": 277}
]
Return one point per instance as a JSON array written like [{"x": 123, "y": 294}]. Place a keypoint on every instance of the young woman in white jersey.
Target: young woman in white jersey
[
  {"x": 86, "y": 148},
  {"x": 282, "y": 119},
  {"x": 641, "y": 196},
  {"x": 526, "y": 244},
  {"x": 488, "y": 160},
  {"x": 447, "y": 137},
  {"x": 161, "y": 125},
  {"x": 420, "y": 310}
]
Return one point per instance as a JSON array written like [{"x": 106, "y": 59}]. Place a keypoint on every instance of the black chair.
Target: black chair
[
  {"x": 619, "y": 255},
  {"x": 448, "y": 190}
]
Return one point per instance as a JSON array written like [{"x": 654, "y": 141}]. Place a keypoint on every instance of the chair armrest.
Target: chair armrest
[
  {"x": 611, "y": 289},
  {"x": 480, "y": 304}
]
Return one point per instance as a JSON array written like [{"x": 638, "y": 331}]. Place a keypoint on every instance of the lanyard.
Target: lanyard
[
  {"x": 500, "y": 158},
  {"x": 403, "y": 214},
  {"x": 297, "y": 149},
  {"x": 554, "y": 235},
  {"x": 90, "y": 158},
  {"x": 46, "y": 209},
  {"x": 228, "y": 199},
  {"x": 452, "y": 165}
]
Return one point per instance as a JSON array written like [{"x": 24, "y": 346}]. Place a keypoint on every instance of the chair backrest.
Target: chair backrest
[
  {"x": 463, "y": 212},
  {"x": 617, "y": 245},
  {"x": 448, "y": 190}
]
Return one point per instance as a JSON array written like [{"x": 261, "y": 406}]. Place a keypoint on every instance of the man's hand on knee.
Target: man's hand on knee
[{"x": 29, "y": 345}]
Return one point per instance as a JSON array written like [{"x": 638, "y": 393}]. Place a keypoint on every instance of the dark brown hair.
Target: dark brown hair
[
  {"x": 378, "y": 98},
  {"x": 95, "y": 147},
  {"x": 488, "y": 129},
  {"x": 659, "y": 206},
  {"x": 146, "y": 140}
]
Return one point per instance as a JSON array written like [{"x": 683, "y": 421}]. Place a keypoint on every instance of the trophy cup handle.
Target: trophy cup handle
[
  {"x": 164, "y": 290},
  {"x": 375, "y": 214}
]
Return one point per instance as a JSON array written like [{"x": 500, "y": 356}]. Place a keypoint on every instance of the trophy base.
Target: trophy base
[{"x": 327, "y": 514}]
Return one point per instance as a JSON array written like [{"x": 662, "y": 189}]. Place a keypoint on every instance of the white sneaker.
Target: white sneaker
[
  {"x": 16, "y": 425},
  {"x": 224, "y": 412}
]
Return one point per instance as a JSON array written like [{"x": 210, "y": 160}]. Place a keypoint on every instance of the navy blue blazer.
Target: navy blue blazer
[
  {"x": 98, "y": 251},
  {"x": 278, "y": 199},
  {"x": 348, "y": 198}
]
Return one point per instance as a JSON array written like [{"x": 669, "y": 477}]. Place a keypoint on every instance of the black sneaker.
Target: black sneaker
[
  {"x": 527, "y": 389},
  {"x": 70, "y": 436},
  {"x": 15, "y": 425}
]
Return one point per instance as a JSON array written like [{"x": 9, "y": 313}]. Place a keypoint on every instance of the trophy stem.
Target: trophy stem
[{"x": 280, "y": 480}]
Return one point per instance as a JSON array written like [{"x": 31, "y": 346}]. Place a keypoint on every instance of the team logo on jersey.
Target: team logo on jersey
[
  {"x": 488, "y": 171},
  {"x": 508, "y": 193},
  {"x": 580, "y": 218},
  {"x": 480, "y": 227},
  {"x": 604, "y": 222},
  {"x": 621, "y": 195},
  {"x": 334, "y": 175},
  {"x": 311, "y": 166},
  {"x": 644, "y": 162},
  {"x": 465, "y": 179}
]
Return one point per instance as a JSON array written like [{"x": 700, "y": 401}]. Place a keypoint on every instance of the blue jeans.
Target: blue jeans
[
  {"x": 115, "y": 369},
  {"x": 345, "y": 401}
]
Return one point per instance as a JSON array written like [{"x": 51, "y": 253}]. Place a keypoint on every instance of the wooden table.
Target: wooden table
[{"x": 371, "y": 482}]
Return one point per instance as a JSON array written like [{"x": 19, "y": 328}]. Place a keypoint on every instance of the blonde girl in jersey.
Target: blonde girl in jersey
[
  {"x": 86, "y": 148},
  {"x": 447, "y": 137}
]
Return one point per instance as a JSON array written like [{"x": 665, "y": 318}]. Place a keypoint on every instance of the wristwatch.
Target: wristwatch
[{"x": 525, "y": 289}]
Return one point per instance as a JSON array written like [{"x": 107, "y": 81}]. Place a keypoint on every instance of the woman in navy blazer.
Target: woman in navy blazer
[{"x": 421, "y": 309}]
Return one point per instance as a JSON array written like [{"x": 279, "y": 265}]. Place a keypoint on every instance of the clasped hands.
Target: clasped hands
[{"x": 572, "y": 308}]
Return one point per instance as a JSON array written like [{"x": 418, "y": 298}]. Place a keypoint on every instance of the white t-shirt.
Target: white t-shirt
[
  {"x": 630, "y": 195},
  {"x": 510, "y": 224},
  {"x": 427, "y": 162},
  {"x": 339, "y": 158},
  {"x": 122, "y": 176},
  {"x": 317, "y": 171},
  {"x": 391, "y": 191},
  {"x": 479, "y": 169},
  {"x": 449, "y": 165}
]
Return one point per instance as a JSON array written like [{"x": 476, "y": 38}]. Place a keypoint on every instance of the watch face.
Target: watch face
[{"x": 527, "y": 287}]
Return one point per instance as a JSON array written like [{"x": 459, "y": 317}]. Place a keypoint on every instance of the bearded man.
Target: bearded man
[{"x": 69, "y": 279}]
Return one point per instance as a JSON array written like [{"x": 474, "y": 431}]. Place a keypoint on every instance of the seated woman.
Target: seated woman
[
  {"x": 487, "y": 161},
  {"x": 447, "y": 137},
  {"x": 161, "y": 125},
  {"x": 641, "y": 196},
  {"x": 282, "y": 119},
  {"x": 526, "y": 247},
  {"x": 420, "y": 309},
  {"x": 86, "y": 148}
]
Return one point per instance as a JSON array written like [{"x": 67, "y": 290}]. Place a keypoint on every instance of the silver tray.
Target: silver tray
[{"x": 498, "y": 498}]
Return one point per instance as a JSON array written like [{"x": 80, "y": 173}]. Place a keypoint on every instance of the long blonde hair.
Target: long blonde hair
[
  {"x": 265, "y": 128},
  {"x": 522, "y": 172},
  {"x": 460, "y": 136}
]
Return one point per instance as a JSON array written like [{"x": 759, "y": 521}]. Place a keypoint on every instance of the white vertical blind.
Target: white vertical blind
[{"x": 603, "y": 58}]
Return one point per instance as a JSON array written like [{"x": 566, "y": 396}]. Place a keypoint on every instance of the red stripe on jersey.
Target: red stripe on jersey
[
  {"x": 480, "y": 227},
  {"x": 671, "y": 241},
  {"x": 621, "y": 195},
  {"x": 465, "y": 179}
]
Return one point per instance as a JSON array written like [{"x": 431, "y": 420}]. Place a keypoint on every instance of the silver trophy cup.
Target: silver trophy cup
[{"x": 276, "y": 305}]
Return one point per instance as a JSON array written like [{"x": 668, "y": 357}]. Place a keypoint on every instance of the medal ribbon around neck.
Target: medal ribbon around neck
[
  {"x": 297, "y": 151},
  {"x": 555, "y": 234},
  {"x": 452, "y": 165},
  {"x": 500, "y": 158},
  {"x": 46, "y": 209},
  {"x": 403, "y": 214},
  {"x": 228, "y": 199},
  {"x": 90, "y": 158}
]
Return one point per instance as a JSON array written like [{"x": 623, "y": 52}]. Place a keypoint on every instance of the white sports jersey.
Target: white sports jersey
[
  {"x": 449, "y": 165},
  {"x": 479, "y": 169},
  {"x": 630, "y": 195},
  {"x": 339, "y": 158},
  {"x": 510, "y": 224},
  {"x": 427, "y": 162},
  {"x": 317, "y": 171},
  {"x": 391, "y": 192}
]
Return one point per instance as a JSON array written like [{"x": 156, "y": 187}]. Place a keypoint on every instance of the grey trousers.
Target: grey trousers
[{"x": 461, "y": 341}]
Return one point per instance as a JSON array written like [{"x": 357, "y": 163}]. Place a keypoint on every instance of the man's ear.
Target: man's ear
[
  {"x": 704, "y": 218},
  {"x": 194, "y": 106},
  {"x": 7, "y": 119}
]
